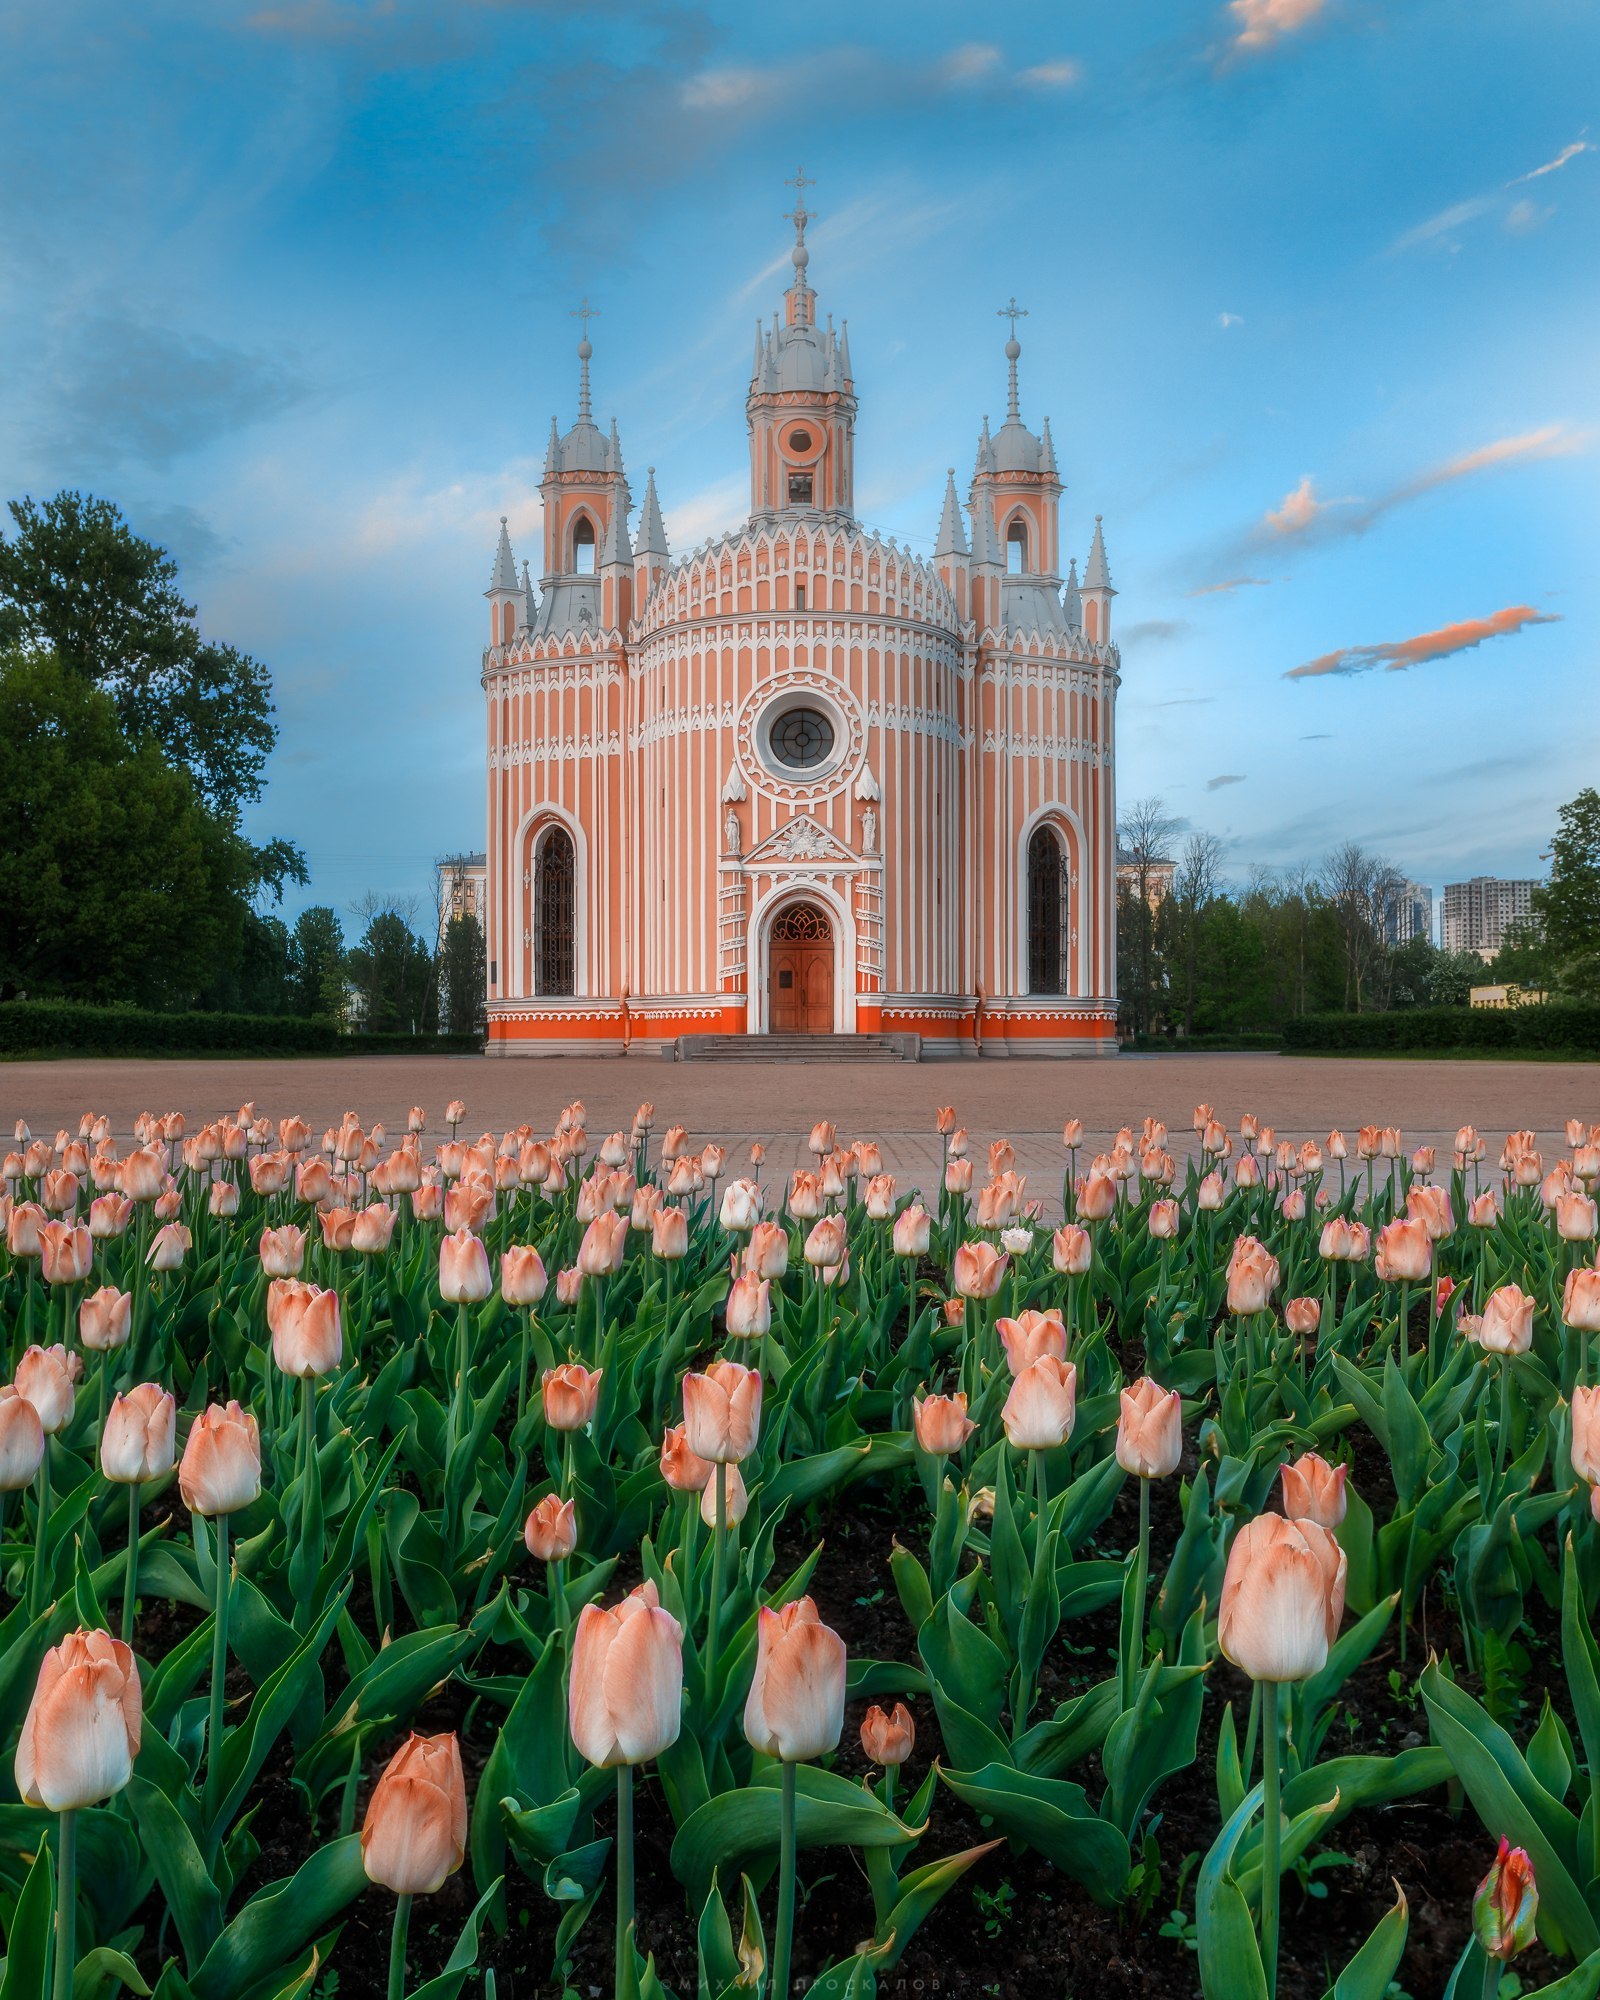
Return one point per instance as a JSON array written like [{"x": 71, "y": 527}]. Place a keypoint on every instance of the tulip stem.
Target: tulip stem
[
  {"x": 130, "y": 1582},
  {"x": 624, "y": 1875},
  {"x": 522, "y": 1370},
  {"x": 66, "y": 1907},
  {"x": 1271, "y": 1833},
  {"x": 785, "y": 1937},
  {"x": 397, "y": 1947},
  {"x": 219, "y": 1667},
  {"x": 714, "y": 1618},
  {"x": 36, "y": 1580},
  {"x": 1134, "y": 1660},
  {"x": 1493, "y": 1967}
]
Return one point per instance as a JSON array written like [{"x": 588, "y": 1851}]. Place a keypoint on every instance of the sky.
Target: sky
[{"x": 1311, "y": 292}]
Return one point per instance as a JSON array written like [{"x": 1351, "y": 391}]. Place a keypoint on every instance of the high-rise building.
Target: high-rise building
[
  {"x": 1409, "y": 914},
  {"x": 803, "y": 779},
  {"x": 1477, "y": 914}
]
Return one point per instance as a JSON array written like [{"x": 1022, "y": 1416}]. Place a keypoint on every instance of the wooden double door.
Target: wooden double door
[{"x": 800, "y": 973}]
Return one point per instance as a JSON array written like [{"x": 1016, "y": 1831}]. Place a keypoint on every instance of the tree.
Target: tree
[
  {"x": 1361, "y": 889},
  {"x": 1194, "y": 885},
  {"x": 392, "y": 972},
  {"x": 1566, "y": 908},
  {"x": 317, "y": 964},
  {"x": 76, "y": 580},
  {"x": 1144, "y": 835},
  {"x": 116, "y": 883},
  {"x": 463, "y": 975}
]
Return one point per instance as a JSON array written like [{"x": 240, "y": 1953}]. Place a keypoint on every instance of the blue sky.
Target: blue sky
[{"x": 1311, "y": 289}]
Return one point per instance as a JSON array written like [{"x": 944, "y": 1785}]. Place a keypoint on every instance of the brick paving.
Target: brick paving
[{"x": 777, "y": 1103}]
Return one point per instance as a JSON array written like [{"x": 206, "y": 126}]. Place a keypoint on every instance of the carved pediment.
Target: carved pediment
[{"x": 801, "y": 839}]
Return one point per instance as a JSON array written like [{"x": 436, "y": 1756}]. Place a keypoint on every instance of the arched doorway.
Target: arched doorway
[
  {"x": 554, "y": 928},
  {"x": 800, "y": 972}
]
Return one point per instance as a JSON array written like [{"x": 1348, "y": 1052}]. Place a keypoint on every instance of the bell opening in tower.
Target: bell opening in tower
[{"x": 799, "y": 489}]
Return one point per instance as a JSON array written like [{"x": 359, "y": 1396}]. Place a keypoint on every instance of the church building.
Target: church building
[{"x": 802, "y": 780}]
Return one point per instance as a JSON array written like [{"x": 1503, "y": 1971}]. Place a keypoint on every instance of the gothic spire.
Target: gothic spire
[
  {"x": 652, "y": 531},
  {"x": 1047, "y": 451},
  {"x": 617, "y": 549},
  {"x": 1096, "y": 572},
  {"x": 985, "y": 543},
  {"x": 952, "y": 534},
  {"x": 505, "y": 568},
  {"x": 1072, "y": 600}
]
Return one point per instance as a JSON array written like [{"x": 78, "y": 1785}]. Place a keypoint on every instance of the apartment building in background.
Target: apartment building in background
[{"x": 1477, "y": 914}]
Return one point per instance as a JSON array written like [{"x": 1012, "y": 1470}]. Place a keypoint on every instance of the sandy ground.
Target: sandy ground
[{"x": 892, "y": 1102}]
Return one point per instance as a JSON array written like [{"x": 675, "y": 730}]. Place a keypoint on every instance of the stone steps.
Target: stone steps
[{"x": 798, "y": 1048}]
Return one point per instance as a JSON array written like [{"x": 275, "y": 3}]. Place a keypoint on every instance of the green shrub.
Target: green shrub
[
  {"x": 61, "y": 1028},
  {"x": 1552, "y": 1029}
]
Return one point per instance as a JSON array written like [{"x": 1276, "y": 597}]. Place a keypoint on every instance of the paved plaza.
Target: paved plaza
[{"x": 894, "y": 1103}]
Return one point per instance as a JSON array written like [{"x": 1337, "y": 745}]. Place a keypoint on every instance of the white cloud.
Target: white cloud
[
  {"x": 1562, "y": 159},
  {"x": 1260, "y": 24},
  {"x": 1227, "y": 319},
  {"x": 1061, "y": 74}
]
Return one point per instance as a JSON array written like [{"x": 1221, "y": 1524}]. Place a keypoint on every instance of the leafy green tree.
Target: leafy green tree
[
  {"x": 317, "y": 964},
  {"x": 392, "y": 972},
  {"x": 76, "y": 579},
  {"x": 1566, "y": 908},
  {"x": 116, "y": 883},
  {"x": 463, "y": 974}
]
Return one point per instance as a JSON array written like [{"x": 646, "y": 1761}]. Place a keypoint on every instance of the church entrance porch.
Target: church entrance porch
[{"x": 800, "y": 972}]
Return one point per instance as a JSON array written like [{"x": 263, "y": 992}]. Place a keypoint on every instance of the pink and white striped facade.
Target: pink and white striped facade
[{"x": 802, "y": 717}]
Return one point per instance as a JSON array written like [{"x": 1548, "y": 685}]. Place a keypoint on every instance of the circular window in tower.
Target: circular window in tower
[
  {"x": 801, "y": 739},
  {"x": 799, "y": 441}
]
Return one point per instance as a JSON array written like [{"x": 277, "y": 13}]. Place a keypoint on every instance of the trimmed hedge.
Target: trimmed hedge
[
  {"x": 1507, "y": 1031},
  {"x": 1244, "y": 1043},
  {"x": 63, "y": 1028}
]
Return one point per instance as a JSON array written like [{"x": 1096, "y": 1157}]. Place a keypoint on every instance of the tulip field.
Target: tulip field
[{"x": 541, "y": 1563}]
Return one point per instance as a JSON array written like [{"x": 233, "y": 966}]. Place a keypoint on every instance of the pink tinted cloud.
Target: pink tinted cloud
[
  {"x": 1259, "y": 24},
  {"x": 1394, "y": 656}
]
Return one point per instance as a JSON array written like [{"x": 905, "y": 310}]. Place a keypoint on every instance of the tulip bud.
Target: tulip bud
[
  {"x": 604, "y": 1242},
  {"x": 46, "y": 1375},
  {"x": 958, "y": 1175},
  {"x": 741, "y": 1206},
  {"x": 220, "y": 1471},
  {"x": 1073, "y": 1251},
  {"x": 888, "y": 1739},
  {"x": 795, "y": 1708},
  {"x": 1252, "y": 1277},
  {"x": 1164, "y": 1219},
  {"x": 625, "y": 1686},
  {"x": 1313, "y": 1490},
  {"x": 722, "y": 1412},
  {"x": 766, "y": 1255},
  {"x": 571, "y": 1396},
  {"x": 941, "y": 1423},
  {"x": 415, "y": 1833},
  {"x": 826, "y": 1243},
  {"x": 1303, "y": 1316},
  {"x": 1040, "y": 1410},
  {"x": 1282, "y": 1598},
  {"x": 669, "y": 1234},
  {"x": 1507, "y": 1321},
  {"x": 913, "y": 1231},
  {"x": 139, "y": 1441},
  {"x": 749, "y": 1308},
  {"x": 83, "y": 1726},
  {"x": 1150, "y": 1430},
  {"x": 551, "y": 1531},
  {"x": 522, "y": 1276},
  {"x": 105, "y": 1319},
  {"x": 21, "y": 1440},
  {"x": 1505, "y": 1910},
  {"x": 464, "y": 1276},
  {"x": 736, "y": 1499}
]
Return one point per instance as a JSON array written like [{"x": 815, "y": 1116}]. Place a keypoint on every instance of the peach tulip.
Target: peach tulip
[
  {"x": 414, "y": 1836},
  {"x": 669, "y": 1234},
  {"x": 795, "y": 1708},
  {"x": 625, "y": 1686},
  {"x": 372, "y": 1229},
  {"x": 1313, "y": 1490},
  {"x": 749, "y": 1309},
  {"x": 1097, "y": 1197},
  {"x": 941, "y": 1423},
  {"x": 1586, "y": 1433},
  {"x": 522, "y": 1275},
  {"x": 826, "y": 1242},
  {"x": 307, "y": 1338},
  {"x": 109, "y": 1216},
  {"x": 168, "y": 1247},
  {"x": 741, "y": 1206},
  {"x": 83, "y": 1726},
  {"x": 21, "y": 1440},
  {"x": 283, "y": 1251},
  {"x": 1073, "y": 1250},
  {"x": 1150, "y": 1430},
  {"x": 913, "y": 1231},
  {"x": 958, "y": 1176},
  {"x": 735, "y": 1499},
  {"x": 66, "y": 1252},
  {"x": 46, "y": 1375},
  {"x": 1507, "y": 1321},
  {"x": 1576, "y": 1218},
  {"x": 1282, "y": 1598},
  {"x": 722, "y": 1412},
  {"x": 144, "y": 1174},
  {"x": 1163, "y": 1219},
  {"x": 105, "y": 1319},
  {"x": 1580, "y": 1302},
  {"x": 139, "y": 1441},
  {"x": 1405, "y": 1253},
  {"x": 1303, "y": 1316},
  {"x": 571, "y": 1395},
  {"x": 464, "y": 1276},
  {"x": 681, "y": 1468},
  {"x": 888, "y": 1740},
  {"x": 766, "y": 1255},
  {"x": 604, "y": 1242},
  {"x": 979, "y": 1270},
  {"x": 220, "y": 1471},
  {"x": 1210, "y": 1195},
  {"x": 1041, "y": 1408},
  {"x": 1029, "y": 1335},
  {"x": 1252, "y": 1277},
  {"x": 551, "y": 1530}
]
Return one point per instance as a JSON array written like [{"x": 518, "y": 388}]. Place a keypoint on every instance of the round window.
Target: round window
[
  {"x": 799, "y": 441},
  {"x": 801, "y": 738}
]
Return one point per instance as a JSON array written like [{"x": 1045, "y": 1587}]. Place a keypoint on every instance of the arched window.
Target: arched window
[
  {"x": 555, "y": 919},
  {"x": 583, "y": 546},
  {"x": 1047, "y": 913},
  {"x": 1016, "y": 546}
]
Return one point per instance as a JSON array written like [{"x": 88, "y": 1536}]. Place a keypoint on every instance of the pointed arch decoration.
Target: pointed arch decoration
[{"x": 1049, "y": 931}]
